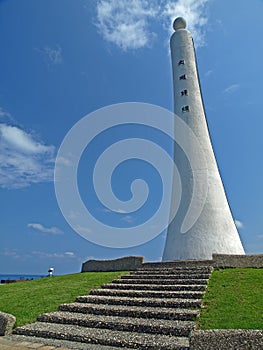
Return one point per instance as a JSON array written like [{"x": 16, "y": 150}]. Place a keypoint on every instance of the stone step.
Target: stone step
[
  {"x": 103, "y": 336},
  {"x": 170, "y": 277},
  {"x": 156, "y": 302},
  {"x": 178, "y": 264},
  {"x": 171, "y": 266},
  {"x": 147, "y": 293},
  {"x": 132, "y": 311},
  {"x": 162, "y": 281},
  {"x": 167, "y": 287},
  {"x": 133, "y": 324},
  {"x": 182, "y": 270}
]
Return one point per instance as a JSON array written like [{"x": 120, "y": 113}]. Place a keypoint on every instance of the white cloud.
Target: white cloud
[
  {"x": 56, "y": 255},
  {"x": 232, "y": 88},
  {"x": 128, "y": 23},
  {"x": 52, "y": 55},
  {"x": 128, "y": 218},
  {"x": 4, "y": 114},
  {"x": 118, "y": 210},
  {"x": 193, "y": 11},
  {"x": 64, "y": 161},
  {"x": 83, "y": 230},
  {"x": 73, "y": 214},
  {"x": 125, "y": 22},
  {"x": 23, "y": 159},
  {"x": 209, "y": 72},
  {"x": 20, "y": 140},
  {"x": 19, "y": 255},
  {"x": 41, "y": 228},
  {"x": 12, "y": 253},
  {"x": 70, "y": 254},
  {"x": 239, "y": 224}
]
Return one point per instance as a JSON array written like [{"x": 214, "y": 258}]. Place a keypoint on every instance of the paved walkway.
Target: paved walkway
[{"x": 7, "y": 344}]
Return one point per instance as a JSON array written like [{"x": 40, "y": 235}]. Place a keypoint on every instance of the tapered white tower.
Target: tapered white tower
[{"x": 215, "y": 230}]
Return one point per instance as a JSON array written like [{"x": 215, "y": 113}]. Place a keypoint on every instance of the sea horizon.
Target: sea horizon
[{"x": 10, "y": 276}]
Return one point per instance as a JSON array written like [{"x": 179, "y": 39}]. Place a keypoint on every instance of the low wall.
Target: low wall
[
  {"x": 127, "y": 263},
  {"x": 230, "y": 339},
  {"x": 223, "y": 261}
]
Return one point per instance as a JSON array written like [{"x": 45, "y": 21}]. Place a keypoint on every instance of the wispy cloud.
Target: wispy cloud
[
  {"x": 118, "y": 210},
  {"x": 209, "y": 72},
  {"x": 14, "y": 254},
  {"x": 18, "y": 139},
  {"x": 19, "y": 255},
  {"x": 125, "y": 22},
  {"x": 232, "y": 88},
  {"x": 69, "y": 254},
  {"x": 128, "y": 218},
  {"x": 23, "y": 159},
  {"x": 4, "y": 115},
  {"x": 83, "y": 230},
  {"x": 57, "y": 255},
  {"x": 64, "y": 161},
  {"x": 128, "y": 23},
  {"x": 51, "y": 55},
  {"x": 194, "y": 12},
  {"x": 41, "y": 228},
  {"x": 239, "y": 224}
]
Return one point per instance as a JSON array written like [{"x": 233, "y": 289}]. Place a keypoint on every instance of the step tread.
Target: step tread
[
  {"x": 165, "y": 276},
  {"x": 178, "y": 263},
  {"x": 104, "y": 336},
  {"x": 161, "y": 281},
  {"x": 120, "y": 300},
  {"x": 131, "y": 311},
  {"x": 178, "y": 268},
  {"x": 149, "y": 294},
  {"x": 167, "y": 287},
  {"x": 180, "y": 328}
]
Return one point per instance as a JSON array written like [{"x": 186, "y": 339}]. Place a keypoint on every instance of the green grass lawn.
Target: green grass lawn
[
  {"x": 234, "y": 300},
  {"x": 27, "y": 300}
]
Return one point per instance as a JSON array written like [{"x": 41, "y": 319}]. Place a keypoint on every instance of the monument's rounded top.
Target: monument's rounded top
[{"x": 179, "y": 23}]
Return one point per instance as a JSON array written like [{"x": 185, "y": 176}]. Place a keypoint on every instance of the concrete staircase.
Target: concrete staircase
[{"x": 152, "y": 308}]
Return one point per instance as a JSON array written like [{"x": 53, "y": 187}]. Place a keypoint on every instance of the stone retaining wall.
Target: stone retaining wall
[
  {"x": 7, "y": 322},
  {"x": 127, "y": 263},
  {"x": 223, "y": 261},
  {"x": 229, "y": 339}
]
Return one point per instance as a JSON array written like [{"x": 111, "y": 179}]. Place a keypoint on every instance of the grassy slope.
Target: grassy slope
[
  {"x": 27, "y": 300},
  {"x": 234, "y": 300}
]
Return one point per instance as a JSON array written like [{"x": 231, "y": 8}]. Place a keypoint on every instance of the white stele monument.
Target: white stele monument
[{"x": 215, "y": 230}]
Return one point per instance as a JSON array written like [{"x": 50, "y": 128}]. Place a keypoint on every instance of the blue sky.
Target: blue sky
[{"x": 61, "y": 60}]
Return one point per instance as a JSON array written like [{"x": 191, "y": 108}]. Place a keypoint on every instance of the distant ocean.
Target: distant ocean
[{"x": 20, "y": 277}]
